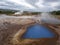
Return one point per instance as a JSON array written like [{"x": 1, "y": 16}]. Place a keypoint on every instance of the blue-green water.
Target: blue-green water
[{"x": 38, "y": 31}]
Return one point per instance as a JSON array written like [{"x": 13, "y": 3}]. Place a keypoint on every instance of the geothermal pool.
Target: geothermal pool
[{"x": 38, "y": 31}]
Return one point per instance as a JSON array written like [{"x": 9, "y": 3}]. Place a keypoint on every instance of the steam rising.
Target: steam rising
[
  {"x": 43, "y": 17},
  {"x": 48, "y": 18},
  {"x": 20, "y": 13}
]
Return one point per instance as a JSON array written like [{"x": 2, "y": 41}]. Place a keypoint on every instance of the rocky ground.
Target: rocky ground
[{"x": 9, "y": 26}]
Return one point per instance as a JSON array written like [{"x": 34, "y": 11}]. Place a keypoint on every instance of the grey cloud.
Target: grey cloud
[
  {"x": 46, "y": 4},
  {"x": 46, "y": 9},
  {"x": 51, "y": 0},
  {"x": 32, "y": 1},
  {"x": 57, "y": 7},
  {"x": 11, "y": 5}
]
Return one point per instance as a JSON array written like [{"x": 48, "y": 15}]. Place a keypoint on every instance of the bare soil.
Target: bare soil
[{"x": 8, "y": 27}]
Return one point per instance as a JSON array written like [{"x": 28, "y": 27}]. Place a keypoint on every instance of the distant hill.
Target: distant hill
[
  {"x": 7, "y": 11},
  {"x": 55, "y": 12},
  {"x": 10, "y": 12}
]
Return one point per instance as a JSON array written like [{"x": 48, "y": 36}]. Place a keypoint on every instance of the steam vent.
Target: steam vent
[{"x": 38, "y": 31}]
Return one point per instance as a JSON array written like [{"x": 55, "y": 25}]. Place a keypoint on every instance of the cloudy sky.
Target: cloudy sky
[{"x": 31, "y": 5}]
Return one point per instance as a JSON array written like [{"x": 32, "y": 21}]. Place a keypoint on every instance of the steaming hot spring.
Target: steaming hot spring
[{"x": 39, "y": 31}]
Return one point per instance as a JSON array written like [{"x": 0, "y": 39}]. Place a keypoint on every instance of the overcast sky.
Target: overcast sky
[{"x": 31, "y": 5}]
